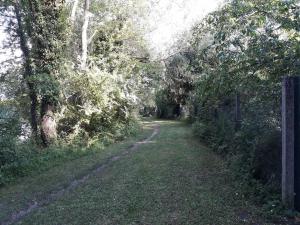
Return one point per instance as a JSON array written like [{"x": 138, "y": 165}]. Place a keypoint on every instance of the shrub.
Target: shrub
[
  {"x": 10, "y": 129},
  {"x": 166, "y": 106},
  {"x": 254, "y": 151},
  {"x": 21, "y": 159},
  {"x": 203, "y": 131}
]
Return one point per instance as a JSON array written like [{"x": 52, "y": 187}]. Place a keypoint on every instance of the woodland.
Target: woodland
[{"x": 82, "y": 77}]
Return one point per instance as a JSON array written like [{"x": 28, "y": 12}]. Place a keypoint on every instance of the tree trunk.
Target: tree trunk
[
  {"x": 33, "y": 110},
  {"x": 28, "y": 71},
  {"x": 48, "y": 123},
  {"x": 46, "y": 59},
  {"x": 73, "y": 13},
  {"x": 84, "y": 38}
]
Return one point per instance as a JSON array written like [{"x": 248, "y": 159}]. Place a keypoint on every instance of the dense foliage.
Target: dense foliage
[
  {"x": 83, "y": 68},
  {"x": 176, "y": 84},
  {"x": 84, "y": 72},
  {"x": 238, "y": 56}
]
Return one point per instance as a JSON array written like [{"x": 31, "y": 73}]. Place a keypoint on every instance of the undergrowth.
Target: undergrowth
[
  {"x": 253, "y": 156},
  {"x": 26, "y": 158}
]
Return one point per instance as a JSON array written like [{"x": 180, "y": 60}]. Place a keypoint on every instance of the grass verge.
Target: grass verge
[
  {"x": 171, "y": 180},
  {"x": 58, "y": 173}
]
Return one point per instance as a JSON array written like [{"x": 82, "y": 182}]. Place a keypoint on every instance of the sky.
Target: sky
[
  {"x": 170, "y": 18},
  {"x": 166, "y": 20},
  {"x": 3, "y": 53}
]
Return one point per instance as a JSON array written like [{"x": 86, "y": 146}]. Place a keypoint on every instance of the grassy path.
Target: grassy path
[{"x": 168, "y": 179}]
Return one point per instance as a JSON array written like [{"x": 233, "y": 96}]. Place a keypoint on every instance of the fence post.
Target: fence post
[{"x": 288, "y": 141}]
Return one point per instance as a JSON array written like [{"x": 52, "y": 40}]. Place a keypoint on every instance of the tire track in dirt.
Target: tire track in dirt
[{"x": 34, "y": 205}]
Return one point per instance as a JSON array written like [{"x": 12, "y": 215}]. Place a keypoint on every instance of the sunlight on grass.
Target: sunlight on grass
[{"x": 170, "y": 180}]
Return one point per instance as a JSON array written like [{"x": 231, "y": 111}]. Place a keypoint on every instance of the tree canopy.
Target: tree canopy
[{"x": 81, "y": 71}]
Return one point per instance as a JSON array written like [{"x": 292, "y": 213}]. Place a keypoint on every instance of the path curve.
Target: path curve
[{"x": 33, "y": 205}]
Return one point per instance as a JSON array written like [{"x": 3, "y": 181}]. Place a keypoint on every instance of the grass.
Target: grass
[
  {"x": 24, "y": 159},
  {"x": 56, "y": 175},
  {"x": 171, "y": 180}
]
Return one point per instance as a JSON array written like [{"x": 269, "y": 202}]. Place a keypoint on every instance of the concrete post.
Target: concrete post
[{"x": 288, "y": 141}]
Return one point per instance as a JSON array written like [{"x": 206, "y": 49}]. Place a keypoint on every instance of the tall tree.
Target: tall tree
[
  {"x": 73, "y": 12},
  {"x": 28, "y": 70},
  {"x": 84, "y": 34},
  {"x": 47, "y": 42}
]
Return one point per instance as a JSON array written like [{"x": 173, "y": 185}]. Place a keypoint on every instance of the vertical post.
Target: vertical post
[
  {"x": 288, "y": 141},
  {"x": 237, "y": 112},
  {"x": 297, "y": 143}
]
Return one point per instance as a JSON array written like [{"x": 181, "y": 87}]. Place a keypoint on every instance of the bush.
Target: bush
[
  {"x": 253, "y": 151},
  {"x": 147, "y": 111},
  {"x": 29, "y": 159},
  {"x": 167, "y": 108},
  {"x": 261, "y": 156},
  {"x": 267, "y": 161},
  {"x": 10, "y": 129},
  {"x": 21, "y": 159},
  {"x": 203, "y": 131},
  {"x": 256, "y": 163}
]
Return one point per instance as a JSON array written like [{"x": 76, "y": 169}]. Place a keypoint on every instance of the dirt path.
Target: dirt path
[
  {"x": 168, "y": 178},
  {"x": 34, "y": 205}
]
